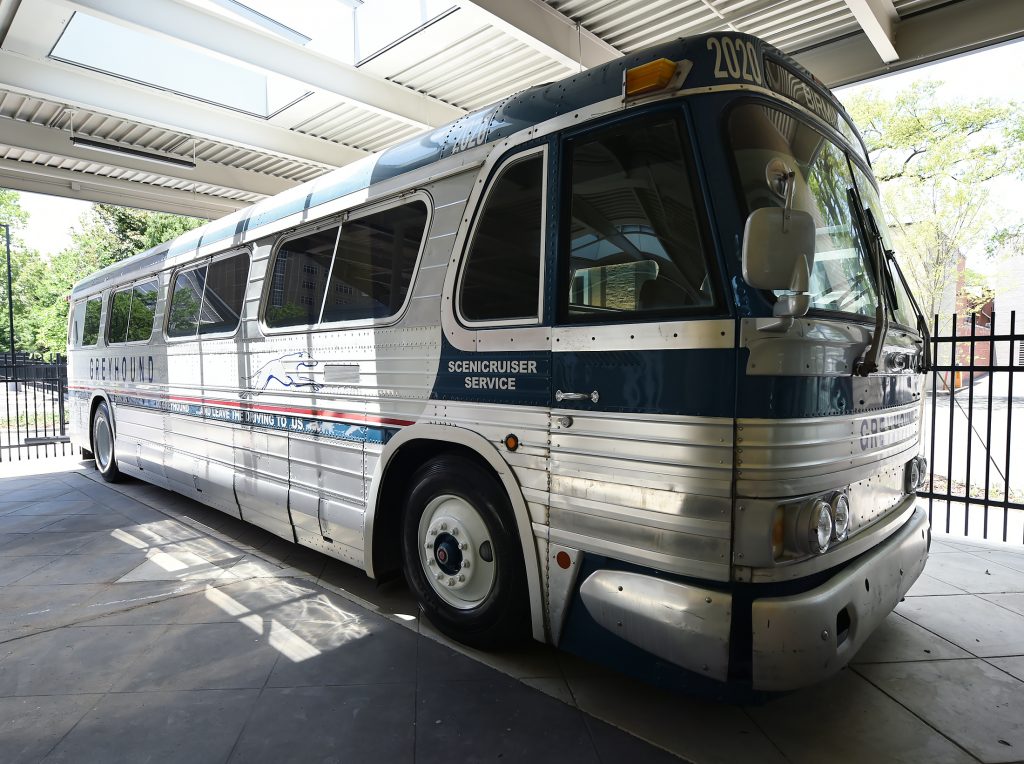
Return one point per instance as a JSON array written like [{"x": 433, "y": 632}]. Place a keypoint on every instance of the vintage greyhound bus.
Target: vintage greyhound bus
[{"x": 623, "y": 361}]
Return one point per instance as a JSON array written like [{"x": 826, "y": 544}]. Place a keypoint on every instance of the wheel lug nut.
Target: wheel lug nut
[
  {"x": 430, "y": 545},
  {"x": 433, "y": 531},
  {"x": 455, "y": 531},
  {"x": 444, "y": 526},
  {"x": 462, "y": 577},
  {"x": 430, "y": 562},
  {"x": 463, "y": 546},
  {"x": 465, "y": 563},
  {"x": 440, "y": 576},
  {"x": 451, "y": 582}
]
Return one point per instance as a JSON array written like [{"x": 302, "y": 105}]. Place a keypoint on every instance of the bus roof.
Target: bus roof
[{"x": 506, "y": 117}]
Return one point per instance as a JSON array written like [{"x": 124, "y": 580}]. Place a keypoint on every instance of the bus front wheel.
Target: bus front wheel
[
  {"x": 103, "y": 443},
  {"x": 460, "y": 552}
]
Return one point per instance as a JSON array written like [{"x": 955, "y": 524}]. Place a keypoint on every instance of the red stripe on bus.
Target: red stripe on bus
[{"x": 366, "y": 418}]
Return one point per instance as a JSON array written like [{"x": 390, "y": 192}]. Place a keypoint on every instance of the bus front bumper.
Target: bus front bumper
[
  {"x": 797, "y": 640},
  {"x": 801, "y": 639}
]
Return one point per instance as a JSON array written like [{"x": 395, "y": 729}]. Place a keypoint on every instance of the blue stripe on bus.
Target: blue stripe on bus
[{"x": 298, "y": 425}]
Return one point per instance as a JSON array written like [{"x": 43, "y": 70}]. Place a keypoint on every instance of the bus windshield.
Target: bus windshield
[{"x": 768, "y": 144}]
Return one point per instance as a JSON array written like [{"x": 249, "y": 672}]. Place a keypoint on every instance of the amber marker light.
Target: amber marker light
[
  {"x": 649, "y": 77},
  {"x": 511, "y": 442}
]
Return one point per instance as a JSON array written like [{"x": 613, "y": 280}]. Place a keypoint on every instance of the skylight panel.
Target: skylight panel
[{"x": 166, "y": 64}]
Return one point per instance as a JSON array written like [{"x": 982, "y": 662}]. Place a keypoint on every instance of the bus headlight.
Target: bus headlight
[
  {"x": 917, "y": 469},
  {"x": 840, "y": 505},
  {"x": 815, "y": 526}
]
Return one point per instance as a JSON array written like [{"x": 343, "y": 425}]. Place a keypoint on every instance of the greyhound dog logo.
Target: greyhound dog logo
[{"x": 290, "y": 371}]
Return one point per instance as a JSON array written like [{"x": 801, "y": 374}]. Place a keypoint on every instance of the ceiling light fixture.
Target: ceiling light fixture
[{"x": 111, "y": 148}]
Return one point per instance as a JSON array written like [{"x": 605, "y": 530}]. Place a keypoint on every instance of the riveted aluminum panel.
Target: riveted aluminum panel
[{"x": 790, "y": 457}]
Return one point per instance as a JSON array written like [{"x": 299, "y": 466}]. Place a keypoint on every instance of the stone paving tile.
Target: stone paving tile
[
  {"x": 30, "y": 727},
  {"x": 163, "y": 602},
  {"x": 82, "y": 523},
  {"x": 1014, "y": 559},
  {"x": 78, "y": 659},
  {"x": 26, "y": 523},
  {"x": 473, "y": 720},
  {"x": 375, "y": 723},
  {"x": 899, "y": 639},
  {"x": 43, "y": 607},
  {"x": 1014, "y": 602},
  {"x": 978, "y": 626},
  {"x": 190, "y": 727},
  {"x": 698, "y": 729},
  {"x": 62, "y": 507},
  {"x": 363, "y": 649},
  {"x": 35, "y": 544},
  {"x": 846, "y": 720},
  {"x": 973, "y": 703},
  {"x": 14, "y": 569},
  {"x": 83, "y": 569},
  {"x": 975, "y": 574},
  {"x": 1014, "y": 666},
  {"x": 234, "y": 656},
  {"x": 926, "y": 586}
]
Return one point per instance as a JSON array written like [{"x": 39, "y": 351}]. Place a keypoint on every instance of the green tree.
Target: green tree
[
  {"x": 105, "y": 235},
  {"x": 13, "y": 215},
  {"x": 935, "y": 162}
]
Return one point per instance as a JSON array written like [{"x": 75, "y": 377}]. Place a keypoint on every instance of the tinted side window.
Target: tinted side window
[
  {"x": 374, "y": 264},
  {"x": 186, "y": 301},
  {"x": 140, "y": 322},
  {"x": 120, "y": 309},
  {"x": 91, "y": 326},
  {"x": 224, "y": 295},
  {"x": 299, "y": 279},
  {"x": 634, "y": 243},
  {"x": 502, "y": 272}
]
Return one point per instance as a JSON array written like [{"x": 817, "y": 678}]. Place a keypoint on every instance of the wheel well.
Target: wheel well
[{"x": 395, "y": 484}]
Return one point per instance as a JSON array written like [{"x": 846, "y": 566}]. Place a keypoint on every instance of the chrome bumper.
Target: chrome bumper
[{"x": 795, "y": 639}]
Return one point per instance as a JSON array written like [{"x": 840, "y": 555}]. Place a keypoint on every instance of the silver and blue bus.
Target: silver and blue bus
[{"x": 622, "y": 362}]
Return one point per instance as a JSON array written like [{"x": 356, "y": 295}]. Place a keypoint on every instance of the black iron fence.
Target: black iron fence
[
  {"x": 34, "y": 407},
  {"x": 976, "y": 474}
]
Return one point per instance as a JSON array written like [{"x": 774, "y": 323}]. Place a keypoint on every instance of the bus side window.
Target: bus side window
[
  {"x": 140, "y": 321},
  {"x": 501, "y": 279},
  {"x": 91, "y": 325},
  {"x": 635, "y": 243},
  {"x": 117, "y": 323},
  {"x": 75, "y": 325},
  {"x": 374, "y": 263},
  {"x": 299, "y": 279},
  {"x": 224, "y": 295},
  {"x": 186, "y": 302}
]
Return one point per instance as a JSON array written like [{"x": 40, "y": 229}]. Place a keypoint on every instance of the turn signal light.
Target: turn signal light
[{"x": 649, "y": 77}]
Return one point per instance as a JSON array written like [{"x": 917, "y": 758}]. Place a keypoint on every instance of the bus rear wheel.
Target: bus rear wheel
[
  {"x": 103, "y": 443},
  {"x": 461, "y": 555}
]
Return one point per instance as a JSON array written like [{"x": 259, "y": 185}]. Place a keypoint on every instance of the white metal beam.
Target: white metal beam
[
  {"x": 45, "y": 140},
  {"x": 537, "y": 24},
  {"x": 878, "y": 19},
  {"x": 20, "y": 176},
  {"x": 79, "y": 87},
  {"x": 944, "y": 31},
  {"x": 267, "y": 52}
]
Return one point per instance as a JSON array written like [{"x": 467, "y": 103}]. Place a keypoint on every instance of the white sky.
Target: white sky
[{"x": 992, "y": 73}]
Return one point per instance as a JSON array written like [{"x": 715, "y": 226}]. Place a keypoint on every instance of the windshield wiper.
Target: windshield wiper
[{"x": 868, "y": 363}]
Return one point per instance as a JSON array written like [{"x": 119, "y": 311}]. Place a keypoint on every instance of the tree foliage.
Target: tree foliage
[
  {"x": 936, "y": 162},
  {"x": 42, "y": 286}
]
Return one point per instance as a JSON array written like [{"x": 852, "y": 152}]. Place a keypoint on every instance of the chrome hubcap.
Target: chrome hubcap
[
  {"x": 103, "y": 443},
  {"x": 456, "y": 553}
]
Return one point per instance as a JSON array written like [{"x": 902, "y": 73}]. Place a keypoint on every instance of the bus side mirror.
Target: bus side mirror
[{"x": 778, "y": 254}]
